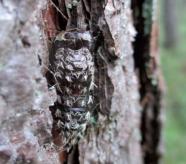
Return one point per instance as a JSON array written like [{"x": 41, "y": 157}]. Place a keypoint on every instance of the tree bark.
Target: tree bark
[
  {"x": 128, "y": 93},
  {"x": 25, "y": 119}
]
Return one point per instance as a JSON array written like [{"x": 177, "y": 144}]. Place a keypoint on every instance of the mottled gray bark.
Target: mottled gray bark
[{"x": 25, "y": 121}]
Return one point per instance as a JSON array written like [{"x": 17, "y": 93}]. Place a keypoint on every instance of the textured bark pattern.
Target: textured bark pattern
[{"x": 25, "y": 120}]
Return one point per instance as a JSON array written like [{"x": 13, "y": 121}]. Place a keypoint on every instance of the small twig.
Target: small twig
[
  {"x": 103, "y": 58},
  {"x": 58, "y": 10}
]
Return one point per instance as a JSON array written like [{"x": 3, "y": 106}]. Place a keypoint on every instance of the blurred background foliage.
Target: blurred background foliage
[{"x": 173, "y": 63}]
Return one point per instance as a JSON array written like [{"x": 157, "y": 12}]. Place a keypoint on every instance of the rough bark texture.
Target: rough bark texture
[
  {"x": 25, "y": 121},
  {"x": 124, "y": 101}
]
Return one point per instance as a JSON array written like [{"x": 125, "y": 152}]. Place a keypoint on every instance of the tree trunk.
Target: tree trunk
[
  {"x": 125, "y": 113},
  {"x": 170, "y": 27}
]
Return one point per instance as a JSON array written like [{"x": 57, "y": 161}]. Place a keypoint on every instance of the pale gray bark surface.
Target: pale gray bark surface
[{"x": 25, "y": 121}]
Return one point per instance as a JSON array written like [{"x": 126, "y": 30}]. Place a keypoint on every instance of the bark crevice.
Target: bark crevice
[{"x": 146, "y": 64}]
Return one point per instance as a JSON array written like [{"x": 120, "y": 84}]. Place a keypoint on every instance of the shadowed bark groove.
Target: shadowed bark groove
[{"x": 151, "y": 87}]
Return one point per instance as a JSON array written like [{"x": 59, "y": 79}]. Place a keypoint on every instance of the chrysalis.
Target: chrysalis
[{"x": 73, "y": 70}]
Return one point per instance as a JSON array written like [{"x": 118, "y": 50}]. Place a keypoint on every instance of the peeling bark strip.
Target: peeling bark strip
[{"x": 151, "y": 88}]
